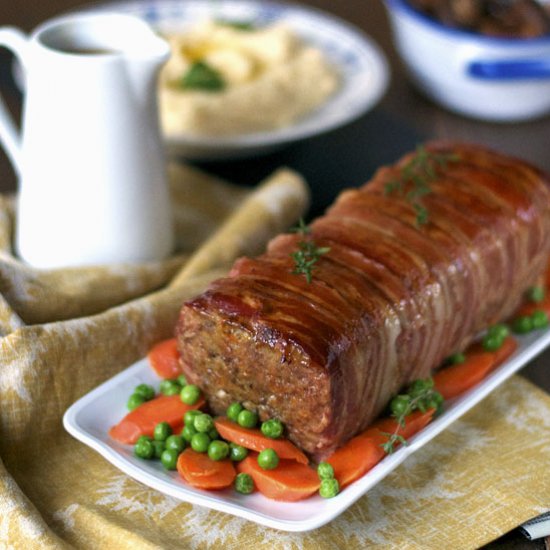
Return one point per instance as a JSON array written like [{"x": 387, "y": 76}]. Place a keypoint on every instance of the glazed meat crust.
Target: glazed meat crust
[{"x": 386, "y": 305}]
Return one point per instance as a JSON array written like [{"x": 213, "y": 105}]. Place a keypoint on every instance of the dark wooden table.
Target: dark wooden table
[{"x": 348, "y": 156}]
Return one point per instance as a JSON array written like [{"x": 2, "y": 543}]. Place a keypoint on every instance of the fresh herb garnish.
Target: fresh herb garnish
[
  {"x": 422, "y": 396},
  {"x": 413, "y": 181},
  {"x": 201, "y": 76},
  {"x": 302, "y": 228},
  {"x": 245, "y": 26},
  {"x": 308, "y": 252}
]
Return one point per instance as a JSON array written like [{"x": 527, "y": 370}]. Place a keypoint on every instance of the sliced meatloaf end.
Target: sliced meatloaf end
[{"x": 232, "y": 359}]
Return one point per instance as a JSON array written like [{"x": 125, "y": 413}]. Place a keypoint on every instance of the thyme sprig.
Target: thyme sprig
[
  {"x": 413, "y": 181},
  {"x": 422, "y": 396},
  {"x": 201, "y": 76},
  {"x": 302, "y": 228},
  {"x": 308, "y": 252}
]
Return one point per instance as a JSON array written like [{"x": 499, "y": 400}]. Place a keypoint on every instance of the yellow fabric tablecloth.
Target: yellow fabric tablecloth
[{"x": 66, "y": 331}]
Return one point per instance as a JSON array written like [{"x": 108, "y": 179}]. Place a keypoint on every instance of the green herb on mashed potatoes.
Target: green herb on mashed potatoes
[{"x": 200, "y": 76}]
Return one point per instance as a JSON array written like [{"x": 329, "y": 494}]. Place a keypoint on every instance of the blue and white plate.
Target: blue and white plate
[{"x": 360, "y": 62}]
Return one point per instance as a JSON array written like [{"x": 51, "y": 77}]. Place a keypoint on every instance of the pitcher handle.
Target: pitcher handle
[{"x": 16, "y": 41}]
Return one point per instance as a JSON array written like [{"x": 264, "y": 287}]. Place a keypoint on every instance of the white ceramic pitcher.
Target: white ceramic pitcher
[{"x": 89, "y": 156}]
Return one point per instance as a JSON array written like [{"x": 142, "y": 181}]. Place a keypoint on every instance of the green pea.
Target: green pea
[
  {"x": 144, "y": 438},
  {"x": 162, "y": 431},
  {"x": 200, "y": 442},
  {"x": 244, "y": 484},
  {"x": 456, "y": 359},
  {"x": 325, "y": 471},
  {"x": 247, "y": 419},
  {"x": 233, "y": 411},
  {"x": 169, "y": 387},
  {"x": 146, "y": 391},
  {"x": 189, "y": 416},
  {"x": 218, "y": 450},
  {"x": 175, "y": 442},
  {"x": 268, "y": 459},
  {"x": 213, "y": 434},
  {"x": 188, "y": 432},
  {"x": 272, "y": 428},
  {"x": 144, "y": 449},
  {"x": 539, "y": 319},
  {"x": 399, "y": 405},
  {"x": 237, "y": 453},
  {"x": 491, "y": 342},
  {"x": 203, "y": 423},
  {"x": 158, "y": 448},
  {"x": 134, "y": 401},
  {"x": 190, "y": 394},
  {"x": 169, "y": 459},
  {"x": 181, "y": 380},
  {"x": 329, "y": 488},
  {"x": 522, "y": 325},
  {"x": 535, "y": 294},
  {"x": 499, "y": 330}
]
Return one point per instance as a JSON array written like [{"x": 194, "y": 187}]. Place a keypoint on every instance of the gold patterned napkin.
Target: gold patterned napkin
[{"x": 66, "y": 331}]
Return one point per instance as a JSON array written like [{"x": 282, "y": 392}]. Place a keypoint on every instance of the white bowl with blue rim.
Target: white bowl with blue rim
[
  {"x": 480, "y": 76},
  {"x": 360, "y": 62}
]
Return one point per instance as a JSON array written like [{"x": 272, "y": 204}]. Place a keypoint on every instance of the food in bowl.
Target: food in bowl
[
  {"x": 485, "y": 77},
  {"x": 507, "y": 19},
  {"x": 325, "y": 327},
  {"x": 227, "y": 78}
]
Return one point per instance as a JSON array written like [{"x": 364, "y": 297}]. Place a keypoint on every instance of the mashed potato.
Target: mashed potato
[{"x": 268, "y": 79}]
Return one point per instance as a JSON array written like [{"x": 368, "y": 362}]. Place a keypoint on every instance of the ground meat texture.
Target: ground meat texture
[{"x": 389, "y": 301}]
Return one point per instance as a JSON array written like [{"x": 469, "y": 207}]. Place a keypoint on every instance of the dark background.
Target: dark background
[{"x": 348, "y": 156}]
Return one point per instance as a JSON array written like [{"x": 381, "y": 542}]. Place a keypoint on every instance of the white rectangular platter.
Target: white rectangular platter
[{"x": 90, "y": 418}]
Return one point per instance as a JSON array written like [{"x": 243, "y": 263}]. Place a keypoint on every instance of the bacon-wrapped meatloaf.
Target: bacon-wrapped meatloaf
[{"x": 424, "y": 256}]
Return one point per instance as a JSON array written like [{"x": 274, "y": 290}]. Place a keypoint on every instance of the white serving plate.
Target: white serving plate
[
  {"x": 360, "y": 62},
  {"x": 90, "y": 418}
]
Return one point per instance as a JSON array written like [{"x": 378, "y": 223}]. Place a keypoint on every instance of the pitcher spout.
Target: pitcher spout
[{"x": 144, "y": 44}]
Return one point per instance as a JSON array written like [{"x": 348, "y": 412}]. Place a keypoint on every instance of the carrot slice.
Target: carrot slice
[
  {"x": 356, "y": 458},
  {"x": 202, "y": 472},
  {"x": 199, "y": 464},
  {"x": 255, "y": 440},
  {"x": 414, "y": 422},
  {"x": 453, "y": 380},
  {"x": 164, "y": 359},
  {"x": 531, "y": 307},
  {"x": 365, "y": 451},
  {"x": 456, "y": 379},
  {"x": 290, "y": 481},
  {"x": 508, "y": 347},
  {"x": 142, "y": 421}
]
